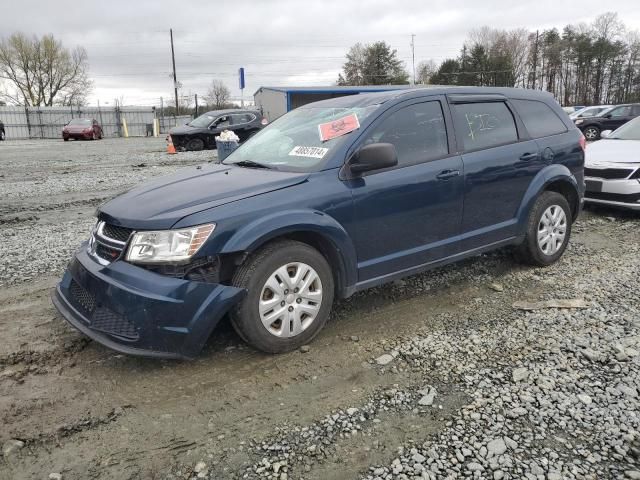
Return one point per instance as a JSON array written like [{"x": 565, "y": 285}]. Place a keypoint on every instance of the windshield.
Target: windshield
[
  {"x": 203, "y": 121},
  {"x": 628, "y": 131},
  {"x": 80, "y": 121},
  {"x": 293, "y": 142}
]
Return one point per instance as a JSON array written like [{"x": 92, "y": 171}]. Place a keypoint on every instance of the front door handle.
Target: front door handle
[
  {"x": 447, "y": 174},
  {"x": 525, "y": 157}
]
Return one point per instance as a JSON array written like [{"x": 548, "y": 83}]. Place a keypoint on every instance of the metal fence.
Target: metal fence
[{"x": 47, "y": 122}]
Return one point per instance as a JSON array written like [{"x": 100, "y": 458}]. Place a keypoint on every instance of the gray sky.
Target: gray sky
[{"x": 279, "y": 42}]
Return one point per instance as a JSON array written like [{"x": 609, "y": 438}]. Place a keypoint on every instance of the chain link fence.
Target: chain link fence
[{"x": 47, "y": 122}]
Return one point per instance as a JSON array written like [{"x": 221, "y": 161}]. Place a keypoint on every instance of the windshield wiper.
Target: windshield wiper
[{"x": 251, "y": 164}]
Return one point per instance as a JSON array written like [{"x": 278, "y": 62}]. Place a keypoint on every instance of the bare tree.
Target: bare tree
[
  {"x": 41, "y": 71},
  {"x": 426, "y": 70},
  {"x": 218, "y": 95}
]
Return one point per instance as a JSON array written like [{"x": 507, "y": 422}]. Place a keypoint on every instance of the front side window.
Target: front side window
[
  {"x": 417, "y": 131},
  {"x": 485, "y": 125},
  {"x": 222, "y": 122},
  {"x": 538, "y": 118}
]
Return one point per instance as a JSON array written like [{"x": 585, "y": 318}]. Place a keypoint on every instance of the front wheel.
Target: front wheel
[
  {"x": 548, "y": 230},
  {"x": 592, "y": 133},
  {"x": 290, "y": 293},
  {"x": 2, "y": 136},
  {"x": 195, "y": 144}
]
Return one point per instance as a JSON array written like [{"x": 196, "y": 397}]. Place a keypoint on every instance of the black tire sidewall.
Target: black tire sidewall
[
  {"x": 530, "y": 249},
  {"x": 195, "y": 144},
  {"x": 253, "y": 275}
]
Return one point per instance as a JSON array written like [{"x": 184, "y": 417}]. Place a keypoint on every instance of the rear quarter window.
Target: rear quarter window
[
  {"x": 485, "y": 125},
  {"x": 538, "y": 118}
]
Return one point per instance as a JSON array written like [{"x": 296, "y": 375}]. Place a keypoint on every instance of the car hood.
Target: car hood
[
  {"x": 185, "y": 130},
  {"x": 161, "y": 203},
  {"x": 611, "y": 151}
]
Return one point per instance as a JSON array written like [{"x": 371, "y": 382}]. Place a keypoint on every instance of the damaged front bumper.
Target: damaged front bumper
[{"x": 138, "y": 312}]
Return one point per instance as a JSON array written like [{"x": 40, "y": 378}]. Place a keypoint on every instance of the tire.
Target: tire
[
  {"x": 2, "y": 136},
  {"x": 282, "y": 314},
  {"x": 65, "y": 139},
  {"x": 591, "y": 133},
  {"x": 546, "y": 222},
  {"x": 195, "y": 144}
]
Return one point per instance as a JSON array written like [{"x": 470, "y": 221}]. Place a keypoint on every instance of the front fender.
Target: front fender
[
  {"x": 257, "y": 233},
  {"x": 545, "y": 177}
]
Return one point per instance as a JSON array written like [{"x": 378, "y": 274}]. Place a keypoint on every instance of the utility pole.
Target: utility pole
[
  {"x": 413, "y": 57},
  {"x": 196, "y": 116},
  {"x": 175, "y": 80}
]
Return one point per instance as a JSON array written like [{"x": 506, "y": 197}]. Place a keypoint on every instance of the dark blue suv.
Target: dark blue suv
[{"x": 332, "y": 198}]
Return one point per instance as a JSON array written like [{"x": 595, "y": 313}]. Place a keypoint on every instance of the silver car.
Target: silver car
[{"x": 612, "y": 167}]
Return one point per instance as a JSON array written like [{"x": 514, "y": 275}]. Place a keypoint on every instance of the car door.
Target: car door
[
  {"x": 499, "y": 162},
  {"x": 241, "y": 124},
  {"x": 408, "y": 215},
  {"x": 221, "y": 123},
  {"x": 617, "y": 117}
]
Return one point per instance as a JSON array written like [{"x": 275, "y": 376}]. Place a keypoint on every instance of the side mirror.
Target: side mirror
[
  {"x": 605, "y": 133},
  {"x": 608, "y": 115},
  {"x": 375, "y": 156}
]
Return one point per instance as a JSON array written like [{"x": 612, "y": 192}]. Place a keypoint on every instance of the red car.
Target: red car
[{"x": 82, "y": 128}]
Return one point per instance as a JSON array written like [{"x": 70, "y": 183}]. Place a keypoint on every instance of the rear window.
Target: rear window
[
  {"x": 539, "y": 119},
  {"x": 485, "y": 125}
]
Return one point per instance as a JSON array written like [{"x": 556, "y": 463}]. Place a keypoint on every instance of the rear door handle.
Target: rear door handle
[
  {"x": 525, "y": 157},
  {"x": 447, "y": 174}
]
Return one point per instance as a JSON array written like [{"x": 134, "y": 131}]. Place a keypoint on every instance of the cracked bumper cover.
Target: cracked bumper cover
[{"x": 169, "y": 317}]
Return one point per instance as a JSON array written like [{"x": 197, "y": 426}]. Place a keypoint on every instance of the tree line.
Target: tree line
[{"x": 584, "y": 64}]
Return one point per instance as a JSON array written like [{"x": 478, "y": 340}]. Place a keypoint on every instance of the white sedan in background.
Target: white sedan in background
[{"x": 612, "y": 167}]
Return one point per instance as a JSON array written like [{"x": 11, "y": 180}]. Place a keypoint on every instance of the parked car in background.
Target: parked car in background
[
  {"x": 612, "y": 167},
  {"x": 200, "y": 133},
  {"x": 570, "y": 110},
  {"x": 594, "y": 111},
  {"x": 82, "y": 129},
  {"x": 609, "y": 120},
  {"x": 332, "y": 198},
  {"x": 2, "y": 133}
]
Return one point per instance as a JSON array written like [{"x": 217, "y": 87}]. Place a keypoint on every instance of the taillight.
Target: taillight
[
  {"x": 264, "y": 121},
  {"x": 583, "y": 143}
]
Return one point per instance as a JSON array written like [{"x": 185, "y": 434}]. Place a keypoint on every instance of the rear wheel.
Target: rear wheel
[
  {"x": 548, "y": 230},
  {"x": 195, "y": 144},
  {"x": 290, "y": 292},
  {"x": 2, "y": 135},
  {"x": 592, "y": 133}
]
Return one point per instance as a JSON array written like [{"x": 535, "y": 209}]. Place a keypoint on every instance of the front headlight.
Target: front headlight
[
  {"x": 578, "y": 122},
  {"x": 168, "y": 245}
]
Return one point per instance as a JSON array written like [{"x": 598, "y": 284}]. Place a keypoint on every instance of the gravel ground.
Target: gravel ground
[{"x": 468, "y": 371}]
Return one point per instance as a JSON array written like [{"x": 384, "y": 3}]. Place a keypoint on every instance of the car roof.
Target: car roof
[
  {"x": 366, "y": 99},
  {"x": 229, "y": 111}
]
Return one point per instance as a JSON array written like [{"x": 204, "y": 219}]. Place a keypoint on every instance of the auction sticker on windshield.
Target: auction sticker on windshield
[
  {"x": 313, "y": 152},
  {"x": 339, "y": 127}
]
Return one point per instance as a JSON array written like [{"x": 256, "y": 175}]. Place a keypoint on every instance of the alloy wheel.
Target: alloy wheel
[
  {"x": 552, "y": 230},
  {"x": 290, "y": 300},
  {"x": 591, "y": 133}
]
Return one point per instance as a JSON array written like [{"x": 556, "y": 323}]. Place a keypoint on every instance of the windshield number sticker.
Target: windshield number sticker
[
  {"x": 339, "y": 127},
  {"x": 313, "y": 152}
]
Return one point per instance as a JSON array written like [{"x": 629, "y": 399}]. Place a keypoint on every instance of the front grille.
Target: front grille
[
  {"x": 107, "y": 253},
  {"x": 608, "y": 173},
  {"x": 121, "y": 234},
  {"x": 614, "y": 197},
  {"x": 106, "y": 321},
  {"x": 82, "y": 299}
]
